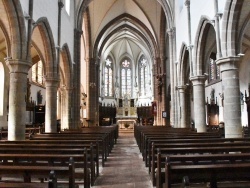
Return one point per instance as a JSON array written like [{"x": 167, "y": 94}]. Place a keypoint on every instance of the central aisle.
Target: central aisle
[{"x": 124, "y": 167}]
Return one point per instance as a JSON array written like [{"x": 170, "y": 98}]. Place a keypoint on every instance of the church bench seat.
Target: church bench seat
[
  {"x": 61, "y": 151},
  {"x": 29, "y": 173},
  {"x": 186, "y": 150},
  {"x": 107, "y": 142},
  {"x": 103, "y": 146},
  {"x": 52, "y": 183},
  {"x": 64, "y": 143},
  {"x": 49, "y": 156},
  {"x": 205, "y": 172},
  {"x": 205, "y": 142}
]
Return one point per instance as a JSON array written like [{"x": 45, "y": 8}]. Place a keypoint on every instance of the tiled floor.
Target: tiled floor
[{"x": 124, "y": 167}]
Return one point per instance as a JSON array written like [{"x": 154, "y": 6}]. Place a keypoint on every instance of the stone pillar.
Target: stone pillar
[
  {"x": 68, "y": 108},
  {"x": 75, "y": 97},
  {"x": 231, "y": 90},
  {"x": 93, "y": 105},
  {"x": 172, "y": 78},
  {"x": 199, "y": 102},
  {"x": 17, "y": 105},
  {"x": 51, "y": 104},
  {"x": 183, "y": 122}
]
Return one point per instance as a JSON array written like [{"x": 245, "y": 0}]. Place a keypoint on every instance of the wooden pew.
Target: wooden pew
[
  {"x": 194, "y": 150},
  {"x": 212, "y": 173},
  {"x": 93, "y": 150},
  {"x": 161, "y": 143},
  {"x": 27, "y": 172},
  {"x": 52, "y": 183},
  {"x": 149, "y": 139},
  {"x": 46, "y": 151},
  {"x": 60, "y": 155},
  {"x": 101, "y": 138},
  {"x": 76, "y": 140}
]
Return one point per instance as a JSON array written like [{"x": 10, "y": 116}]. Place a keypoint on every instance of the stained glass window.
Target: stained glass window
[
  {"x": 126, "y": 78},
  {"x": 143, "y": 69},
  {"x": 214, "y": 71},
  {"x": 108, "y": 78}
]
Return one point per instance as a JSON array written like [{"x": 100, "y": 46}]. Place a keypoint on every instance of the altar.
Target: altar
[
  {"x": 126, "y": 123},
  {"x": 126, "y": 114}
]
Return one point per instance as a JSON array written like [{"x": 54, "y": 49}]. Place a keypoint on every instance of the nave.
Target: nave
[{"x": 124, "y": 167}]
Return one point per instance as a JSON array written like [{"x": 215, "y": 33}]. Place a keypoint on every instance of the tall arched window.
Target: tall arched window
[
  {"x": 108, "y": 78},
  {"x": 37, "y": 73},
  {"x": 126, "y": 77},
  {"x": 143, "y": 75}
]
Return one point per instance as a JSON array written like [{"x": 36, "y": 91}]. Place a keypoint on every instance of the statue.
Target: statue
[{"x": 39, "y": 97}]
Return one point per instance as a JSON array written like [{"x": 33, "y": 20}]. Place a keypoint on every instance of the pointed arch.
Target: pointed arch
[
  {"x": 7, "y": 38},
  {"x": 67, "y": 64},
  {"x": 230, "y": 23},
  {"x": 48, "y": 52},
  {"x": 183, "y": 65},
  {"x": 147, "y": 36},
  {"x": 17, "y": 35},
  {"x": 199, "y": 46}
]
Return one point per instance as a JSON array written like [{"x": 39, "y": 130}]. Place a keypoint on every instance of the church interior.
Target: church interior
[{"x": 93, "y": 92}]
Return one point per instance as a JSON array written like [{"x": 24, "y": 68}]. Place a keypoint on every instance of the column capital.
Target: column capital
[
  {"x": 228, "y": 63},
  {"x": 60, "y": 4},
  {"x": 187, "y": 3},
  {"x": 18, "y": 66},
  {"x": 171, "y": 31},
  {"x": 198, "y": 80},
  {"x": 182, "y": 88},
  {"x": 51, "y": 82}
]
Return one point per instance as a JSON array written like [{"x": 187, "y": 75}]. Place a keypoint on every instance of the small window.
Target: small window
[
  {"x": 67, "y": 6},
  {"x": 37, "y": 73}
]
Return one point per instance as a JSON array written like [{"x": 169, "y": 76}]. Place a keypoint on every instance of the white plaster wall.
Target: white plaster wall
[{"x": 198, "y": 9}]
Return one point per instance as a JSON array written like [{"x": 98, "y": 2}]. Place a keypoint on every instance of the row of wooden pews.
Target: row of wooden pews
[
  {"x": 183, "y": 156},
  {"x": 68, "y": 158}
]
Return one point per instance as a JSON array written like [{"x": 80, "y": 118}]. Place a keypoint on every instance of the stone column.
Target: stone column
[
  {"x": 93, "y": 105},
  {"x": 172, "y": 77},
  {"x": 68, "y": 108},
  {"x": 183, "y": 122},
  {"x": 51, "y": 85},
  {"x": 231, "y": 90},
  {"x": 17, "y": 105},
  {"x": 199, "y": 102},
  {"x": 66, "y": 111}
]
